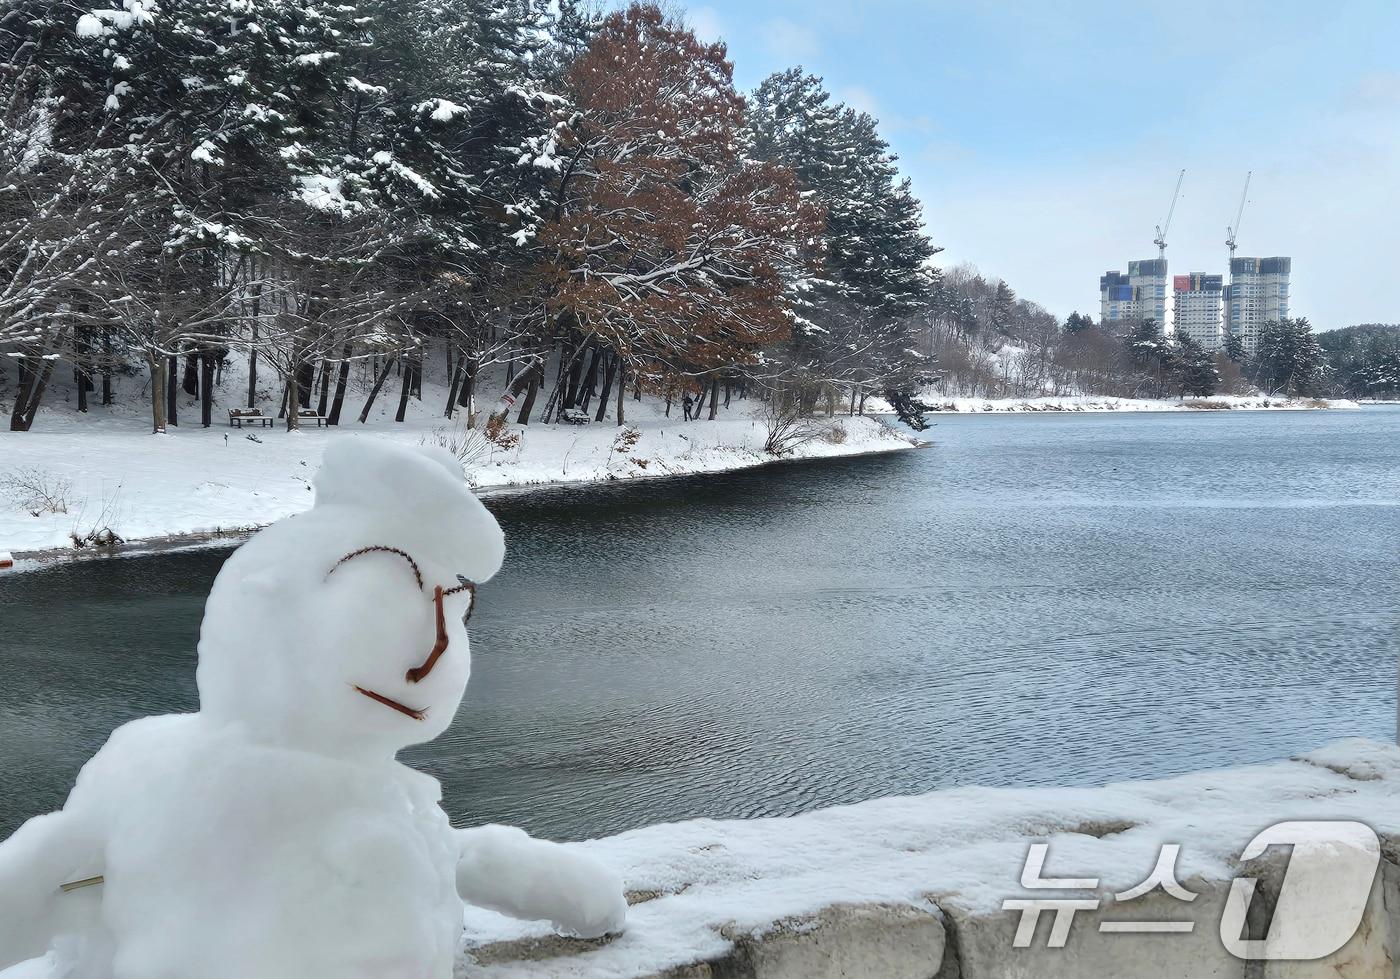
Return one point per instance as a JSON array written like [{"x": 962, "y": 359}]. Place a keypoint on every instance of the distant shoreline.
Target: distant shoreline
[{"x": 962, "y": 405}]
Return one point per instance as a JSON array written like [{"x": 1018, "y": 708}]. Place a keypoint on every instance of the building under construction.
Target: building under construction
[
  {"x": 1139, "y": 295},
  {"x": 1258, "y": 293},
  {"x": 1196, "y": 302}
]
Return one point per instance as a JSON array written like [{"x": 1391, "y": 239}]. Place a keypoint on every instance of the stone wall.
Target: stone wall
[{"x": 866, "y": 918}]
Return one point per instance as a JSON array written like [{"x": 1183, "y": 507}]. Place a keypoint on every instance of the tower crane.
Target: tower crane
[
  {"x": 1161, "y": 240},
  {"x": 1234, "y": 229}
]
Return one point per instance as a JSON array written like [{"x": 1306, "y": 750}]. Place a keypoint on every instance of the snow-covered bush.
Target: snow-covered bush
[
  {"x": 468, "y": 446},
  {"x": 788, "y": 428},
  {"x": 835, "y": 433},
  {"x": 35, "y": 491}
]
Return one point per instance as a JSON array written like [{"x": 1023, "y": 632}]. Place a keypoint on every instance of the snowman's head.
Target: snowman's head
[{"x": 342, "y": 630}]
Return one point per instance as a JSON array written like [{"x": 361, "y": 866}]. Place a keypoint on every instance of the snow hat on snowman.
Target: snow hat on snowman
[{"x": 342, "y": 630}]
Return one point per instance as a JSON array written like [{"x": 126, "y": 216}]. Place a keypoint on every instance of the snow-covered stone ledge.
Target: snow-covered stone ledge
[{"x": 913, "y": 887}]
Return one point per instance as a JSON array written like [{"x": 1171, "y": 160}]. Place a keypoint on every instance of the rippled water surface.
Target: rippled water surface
[{"x": 1036, "y": 599}]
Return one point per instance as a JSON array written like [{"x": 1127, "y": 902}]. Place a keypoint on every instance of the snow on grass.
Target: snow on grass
[
  {"x": 967, "y": 846},
  {"x": 196, "y": 481}
]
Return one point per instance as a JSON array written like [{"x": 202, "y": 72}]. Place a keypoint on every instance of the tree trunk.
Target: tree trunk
[
  {"x": 454, "y": 390},
  {"x": 466, "y": 398},
  {"x": 405, "y": 389},
  {"x": 699, "y": 403},
  {"x": 293, "y": 388},
  {"x": 253, "y": 349},
  {"x": 172, "y": 391},
  {"x": 107, "y": 366},
  {"x": 206, "y": 388},
  {"x": 26, "y": 385},
  {"x": 608, "y": 377},
  {"x": 378, "y": 383},
  {"x": 571, "y": 393},
  {"x": 529, "y": 403},
  {"x": 191, "y": 384},
  {"x": 341, "y": 380},
  {"x": 323, "y": 402},
  {"x": 82, "y": 366},
  {"x": 590, "y": 380},
  {"x": 157, "y": 365},
  {"x": 514, "y": 386},
  {"x": 714, "y": 397},
  {"x": 305, "y": 375},
  {"x": 621, "y": 389}
]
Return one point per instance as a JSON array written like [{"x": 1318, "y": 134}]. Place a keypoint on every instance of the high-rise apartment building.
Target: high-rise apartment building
[
  {"x": 1258, "y": 293},
  {"x": 1141, "y": 294},
  {"x": 1197, "y": 308}
]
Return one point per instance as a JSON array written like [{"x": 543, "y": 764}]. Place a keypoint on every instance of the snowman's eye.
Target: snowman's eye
[{"x": 417, "y": 574}]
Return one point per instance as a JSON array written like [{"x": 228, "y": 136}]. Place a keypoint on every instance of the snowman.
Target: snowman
[{"x": 273, "y": 834}]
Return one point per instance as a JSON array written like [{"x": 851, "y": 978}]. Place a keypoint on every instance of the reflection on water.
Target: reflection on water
[{"x": 1037, "y": 599}]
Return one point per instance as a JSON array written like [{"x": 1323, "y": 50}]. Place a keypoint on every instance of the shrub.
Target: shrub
[
  {"x": 787, "y": 426},
  {"x": 36, "y": 492},
  {"x": 468, "y": 446},
  {"x": 499, "y": 434}
]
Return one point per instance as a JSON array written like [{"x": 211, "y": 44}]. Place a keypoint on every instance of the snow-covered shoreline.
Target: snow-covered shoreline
[
  {"x": 967, "y": 405},
  {"x": 197, "y": 486}
]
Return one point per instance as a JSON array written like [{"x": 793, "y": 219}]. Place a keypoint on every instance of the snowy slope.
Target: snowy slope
[{"x": 195, "y": 481}]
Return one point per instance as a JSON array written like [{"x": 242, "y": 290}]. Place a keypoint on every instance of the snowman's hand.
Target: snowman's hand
[
  {"x": 506, "y": 870},
  {"x": 35, "y": 862}
]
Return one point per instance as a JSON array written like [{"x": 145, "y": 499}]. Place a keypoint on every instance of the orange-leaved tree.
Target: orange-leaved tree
[{"x": 668, "y": 245}]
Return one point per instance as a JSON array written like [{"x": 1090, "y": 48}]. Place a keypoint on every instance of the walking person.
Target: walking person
[{"x": 688, "y": 404}]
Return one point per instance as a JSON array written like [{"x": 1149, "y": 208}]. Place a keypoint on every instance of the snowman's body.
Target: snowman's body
[{"x": 273, "y": 834}]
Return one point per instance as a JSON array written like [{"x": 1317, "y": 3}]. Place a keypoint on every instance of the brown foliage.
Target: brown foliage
[{"x": 667, "y": 244}]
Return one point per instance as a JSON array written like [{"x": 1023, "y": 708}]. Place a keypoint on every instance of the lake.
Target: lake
[{"x": 1036, "y": 599}]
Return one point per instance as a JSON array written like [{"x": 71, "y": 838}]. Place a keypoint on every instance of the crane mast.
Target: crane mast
[
  {"x": 1233, "y": 230},
  {"x": 1161, "y": 240}
]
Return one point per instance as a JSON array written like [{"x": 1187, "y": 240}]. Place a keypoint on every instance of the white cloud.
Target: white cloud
[
  {"x": 706, "y": 23},
  {"x": 789, "y": 43},
  {"x": 861, "y": 99}
]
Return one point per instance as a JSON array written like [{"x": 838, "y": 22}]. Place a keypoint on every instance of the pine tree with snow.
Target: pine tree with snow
[
  {"x": 856, "y": 314},
  {"x": 1196, "y": 366}
]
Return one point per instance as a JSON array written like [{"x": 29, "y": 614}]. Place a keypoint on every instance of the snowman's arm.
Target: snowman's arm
[
  {"x": 42, "y": 855},
  {"x": 504, "y": 869}
]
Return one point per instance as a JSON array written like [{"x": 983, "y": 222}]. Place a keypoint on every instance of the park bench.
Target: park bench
[
  {"x": 307, "y": 415},
  {"x": 237, "y": 416}
]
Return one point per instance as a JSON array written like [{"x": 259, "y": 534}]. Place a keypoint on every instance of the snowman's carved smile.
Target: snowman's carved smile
[
  {"x": 379, "y": 698},
  {"x": 420, "y": 672}
]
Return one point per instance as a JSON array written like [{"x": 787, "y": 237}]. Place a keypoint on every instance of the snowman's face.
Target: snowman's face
[{"x": 394, "y": 646}]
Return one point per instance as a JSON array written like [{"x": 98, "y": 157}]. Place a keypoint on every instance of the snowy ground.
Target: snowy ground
[
  {"x": 703, "y": 880},
  {"x": 193, "y": 481},
  {"x": 1091, "y": 403}
]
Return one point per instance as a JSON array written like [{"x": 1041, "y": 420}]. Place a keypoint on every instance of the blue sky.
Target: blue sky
[{"x": 1045, "y": 139}]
